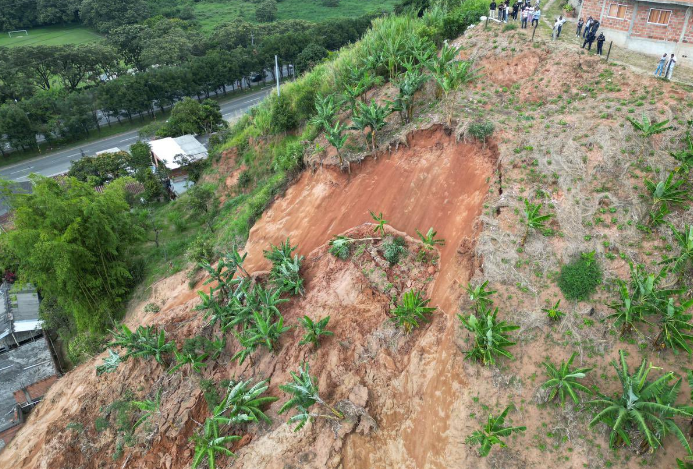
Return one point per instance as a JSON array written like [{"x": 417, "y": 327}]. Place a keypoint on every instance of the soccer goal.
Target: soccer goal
[{"x": 19, "y": 32}]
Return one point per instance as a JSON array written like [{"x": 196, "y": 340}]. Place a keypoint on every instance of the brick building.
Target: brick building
[{"x": 652, "y": 27}]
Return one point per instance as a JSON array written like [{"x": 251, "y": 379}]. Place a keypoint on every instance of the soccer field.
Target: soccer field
[
  {"x": 50, "y": 36},
  {"x": 210, "y": 13}
]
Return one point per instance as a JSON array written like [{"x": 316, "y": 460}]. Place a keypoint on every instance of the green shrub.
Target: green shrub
[
  {"x": 290, "y": 157},
  {"x": 481, "y": 130},
  {"x": 393, "y": 249},
  {"x": 83, "y": 346},
  {"x": 580, "y": 278},
  {"x": 509, "y": 27},
  {"x": 282, "y": 114}
]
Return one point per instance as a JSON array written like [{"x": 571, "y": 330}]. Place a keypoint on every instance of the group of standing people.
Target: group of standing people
[
  {"x": 589, "y": 34},
  {"x": 502, "y": 11},
  {"x": 665, "y": 67}
]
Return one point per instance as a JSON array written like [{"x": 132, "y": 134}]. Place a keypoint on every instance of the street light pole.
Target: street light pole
[{"x": 276, "y": 72}]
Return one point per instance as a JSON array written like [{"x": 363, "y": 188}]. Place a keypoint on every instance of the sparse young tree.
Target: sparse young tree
[
  {"x": 533, "y": 219},
  {"x": 314, "y": 330},
  {"x": 412, "y": 309},
  {"x": 489, "y": 335}
]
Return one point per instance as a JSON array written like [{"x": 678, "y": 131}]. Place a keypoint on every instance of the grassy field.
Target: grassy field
[
  {"x": 50, "y": 36},
  {"x": 211, "y": 14}
]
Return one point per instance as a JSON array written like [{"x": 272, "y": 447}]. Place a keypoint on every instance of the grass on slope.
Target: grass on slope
[
  {"x": 50, "y": 36},
  {"x": 210, "y": 14}
]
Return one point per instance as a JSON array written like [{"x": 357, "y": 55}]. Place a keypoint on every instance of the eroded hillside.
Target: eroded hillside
[{"x": 561, "y": 138}]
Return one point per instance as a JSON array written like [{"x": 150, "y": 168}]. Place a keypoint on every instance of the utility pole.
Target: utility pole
[{"x": 276, "y": 72}]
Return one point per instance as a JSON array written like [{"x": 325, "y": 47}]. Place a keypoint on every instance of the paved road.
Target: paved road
[{"x": 59, "y": 162}]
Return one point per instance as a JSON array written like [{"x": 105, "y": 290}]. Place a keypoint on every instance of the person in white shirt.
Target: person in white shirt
[{"x": 670, "y": 67}]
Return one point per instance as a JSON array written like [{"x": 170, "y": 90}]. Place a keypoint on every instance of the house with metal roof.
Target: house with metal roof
[
  {"x": 19, "y": 315},
  {"x": 175, "y": 154}
]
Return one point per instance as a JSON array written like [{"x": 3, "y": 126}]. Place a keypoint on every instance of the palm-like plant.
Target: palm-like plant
[
  {"x": 314, "y": 330},
  {"x": 666, "y": 195},
  {"x": 480, "y": 296},
  {"x": 209, "y": 443},
  {"x": 148, "y": 407},
  {"x": 285, "y": 269},
  {"x": 243, "y": 403},
  {"x": 263, "y": 331},
  {"x": 685, "y": 156},
  {"x": 340, "y": 247},
  {"x": 380, "y": 222},
  {"x": 685, "y": 241},
  {"x": 675, "y": 327},
  {"x": 412, "y": 310},
  {"x": 626, "y": 313},
  {"x": 643, "y": 405},
  {"x": 145, "y": 342},
  {"x": 553, "y": 312},
  {"x": 492, "y": 433},
  {"x": 408, "y": 85},
  {"x": 647, "y": 127},
  {"x": 564, "y": 381},
  {"x": 110, "y": 363},
  {"x": 304, "y": 394},
  {"x": 490, "y": 335},
  {"x": 533, "y": 219},
  {"x": 196, "y": 362},
  {"x": 371, "y": 117},
  {"x": 326, "y": 109},
  {"x": 429, "y": 239},
  {"x": 337, "y": 139}
]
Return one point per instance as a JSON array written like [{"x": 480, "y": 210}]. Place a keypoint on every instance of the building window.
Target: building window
[
  {"x": 616, "y": 10},
  {"x": 659, "y": 16}
]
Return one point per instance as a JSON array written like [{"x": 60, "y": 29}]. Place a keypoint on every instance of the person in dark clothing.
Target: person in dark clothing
[
  {"x": 588, "y": 25},
  {"x": 501, "y": 9},
  {"x": 589, "y": 39},
  {"x": 595, "y": 27},
  {"x": 516, "y": 8},
  {"x": 506, "y": 11},
  {"x": 560, "y": 26},
  {"x": 492, "y": 10},
  {"x": 580, "y": 24},
  {"x": 600, "y": 43}
]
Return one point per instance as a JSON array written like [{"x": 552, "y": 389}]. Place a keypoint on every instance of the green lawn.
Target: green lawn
[
  {"x": 210, "y": 14},
  {"x": 50, "y": 36}
]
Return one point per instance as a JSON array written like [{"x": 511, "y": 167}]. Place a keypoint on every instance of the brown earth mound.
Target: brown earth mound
[{"x": 432, "y": 182}]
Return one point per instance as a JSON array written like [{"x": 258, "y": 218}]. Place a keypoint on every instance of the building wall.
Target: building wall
[
  {"x": 36, "y": 390},
  {"x": 635, "y": 33},
  {"x": 670, "y": 32},
  {"x": 7, "y": 435}
]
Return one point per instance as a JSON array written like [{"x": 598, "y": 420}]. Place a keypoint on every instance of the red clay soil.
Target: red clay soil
[{"x": 433, "y": 182}]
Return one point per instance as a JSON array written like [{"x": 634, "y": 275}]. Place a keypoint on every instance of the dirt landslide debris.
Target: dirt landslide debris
[{"x": 411, "y": 400}]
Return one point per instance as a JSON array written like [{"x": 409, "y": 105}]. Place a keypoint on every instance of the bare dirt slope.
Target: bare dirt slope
[{"x": 560, "y": 137}]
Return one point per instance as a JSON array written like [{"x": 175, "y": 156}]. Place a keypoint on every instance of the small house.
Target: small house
[
  {"x": 176, "y": 154},
  {"x": 654, "y": 27}
]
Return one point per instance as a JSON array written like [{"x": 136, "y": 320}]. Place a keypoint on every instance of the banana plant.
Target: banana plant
[
  {"x": 110, "y": 363},
  {"x": 196, "y": 362},
  {"x": 412, "y": 309},
  {"x": 490, "y": 336},
  {"x": 666, "y": 195},
  {"x": 326, "y": 109},
  {"x": 337, "y": 139},
  {"x": 647, "y": 127},
  {"x": 480, "y": 297},
  {"x": 371, "y": 117},
  {"x": 380, "y": 222},
  {"x": 209, "y": 443},
  {"x": 563, "y": 381},
  {"x": 149, "y": 408},
  {"x": 429, "y": 239},
  {"x": 243, "y": 403},
  {"x": 684, "y": 239},
  {"x": 685, "y": 156},
  {"x": 675, "y": 328},
  {"x": 533, "y": 219},
  {"x": 492, "y": 433},
  {"x": 553, "y": 312},
  {"x": 410, "y": 82},
  {"x": 643, "y": 405},
  {"x": 314, "y": 330},
  {"x": 303, "y": 389}
]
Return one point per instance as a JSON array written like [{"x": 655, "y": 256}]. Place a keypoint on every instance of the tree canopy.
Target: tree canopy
[{"x": 72, "y": 242}]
